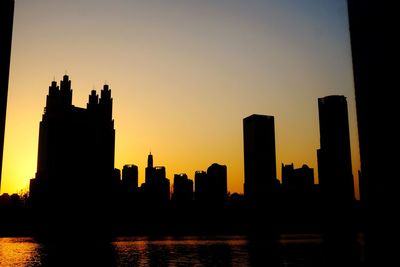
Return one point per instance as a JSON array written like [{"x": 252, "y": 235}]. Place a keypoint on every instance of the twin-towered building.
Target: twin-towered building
[
  {"x": 76, "y": 146},
  {"x": 75, "y": 159}
]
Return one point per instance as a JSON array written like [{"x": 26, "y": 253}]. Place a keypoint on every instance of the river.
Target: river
[{"x": 287, "y": 250}]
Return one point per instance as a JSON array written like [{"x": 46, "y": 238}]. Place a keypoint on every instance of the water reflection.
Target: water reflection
[
  {"x": 19, "y": 252},
  {"x": 79, "y": 254},
  {"x": 287, "y": 250},
  {"x": 189, "y": 251}
]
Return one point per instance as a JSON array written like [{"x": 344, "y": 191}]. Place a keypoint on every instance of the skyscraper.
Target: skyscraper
[
  {"x": 129, "y": 191},
  {"x": 218, "y": 184},
  {"x": 334, "y": 157},
  {"x": 156, "y": 188},
  {"x": 183, "y": 190},
  {"x": 300, "y": 179},
  {"x": 6, "y": 26},
  {"x": 211, "y": 187},
  {"x": 130, "y": 178},
  {"x": 75, "y": 165},
  {"x": 200, "y": 185},
  {"x": 299, "y": 197},
  {"x": 260, "y": 180}
]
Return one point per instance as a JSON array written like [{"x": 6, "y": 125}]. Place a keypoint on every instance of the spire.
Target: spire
[{"x": 150, "y": 161}]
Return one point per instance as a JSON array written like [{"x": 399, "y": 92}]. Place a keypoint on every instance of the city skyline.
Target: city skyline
[
  {"x": 242, "y": 87},
  {"x": 177, "y": 87}
]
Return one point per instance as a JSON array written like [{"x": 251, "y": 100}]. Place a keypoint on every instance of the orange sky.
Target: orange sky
[{"x": 183, "y": 75}]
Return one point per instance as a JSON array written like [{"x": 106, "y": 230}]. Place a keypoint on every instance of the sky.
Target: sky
[{"x": 183, "y": 75}]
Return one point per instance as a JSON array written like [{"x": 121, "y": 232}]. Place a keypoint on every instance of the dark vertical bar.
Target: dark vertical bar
[
  {"x": 375, "y": 50},
  {"x": 6, "y": 25}
]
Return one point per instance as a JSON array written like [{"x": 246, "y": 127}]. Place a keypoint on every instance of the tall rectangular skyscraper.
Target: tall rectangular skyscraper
[
  {"x": 6, "y": 26},
  {"x": 259, "y": 158},
  {"x": 334, "y": 156}
]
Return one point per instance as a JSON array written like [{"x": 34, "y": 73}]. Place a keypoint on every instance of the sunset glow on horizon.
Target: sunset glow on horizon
[{"x": 183, "y": 75}]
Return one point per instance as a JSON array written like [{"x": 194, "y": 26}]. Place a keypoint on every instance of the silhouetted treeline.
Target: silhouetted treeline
[{"x": 15, "y": 215}]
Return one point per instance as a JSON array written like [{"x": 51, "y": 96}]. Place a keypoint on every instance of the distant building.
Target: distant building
[
  {"x": 299, "y": 199},
  {"x": 201, "y": 186},
  {"x": 218, "y": 181},
  {"x": 130, "y": 176},
  {"x": 183, "y": 190},
  {"x": 301, "y": 179},
  {"x": 6, "y": 28},
  {"x": 156, "y": 189},
  {"x": 334, "y": 157},
  {"x": 211, "y": 187},
  {"x": 75, "y": 168},
  {"x": 149, "y": 171},
  {"x": 129, "y": 195},
  {"x": 260, "y": 180}
]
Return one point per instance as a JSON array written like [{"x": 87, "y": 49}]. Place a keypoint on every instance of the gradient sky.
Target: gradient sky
[{"x": 183, "y": 75}]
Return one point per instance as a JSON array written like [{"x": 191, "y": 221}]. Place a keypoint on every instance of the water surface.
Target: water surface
[{"x": 288, "y": 250}]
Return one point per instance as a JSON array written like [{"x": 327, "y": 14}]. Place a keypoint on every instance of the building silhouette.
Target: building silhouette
[
  {"x": 211, "y": 187},
  {"x": 201, "y": 186},
  {"x": 183, "y": 190},
  {"x": 298, "y": 189},
  {"x": 297, "y": 180},
  {"x": 334, "y": 157},
  {"x": 128, "y": 194},
  {"x": 299, "y": 199},
  {"x": 130, "y": 176},
  {"x": 6, "y": 28},
  {"x": 75, "y": 168},
  {"x": 116, "y": 175},
  {"x": 260, "y": 180},
  {"x": 218, "y": 184},
  {"x": 156, "y": 188}
]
